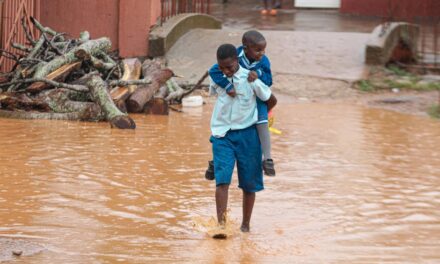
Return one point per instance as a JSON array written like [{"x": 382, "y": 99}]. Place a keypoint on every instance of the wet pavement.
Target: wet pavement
[
  {"x": 353, "y": 185},
  {"x": 331, "y": 55},
  {"x": 245, "y": 14},
  {"x": 300, "y": 42}
]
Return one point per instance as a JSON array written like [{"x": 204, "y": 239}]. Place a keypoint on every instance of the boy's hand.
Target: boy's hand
[
  {"x": 271, "y": 102},
  {"x": 231, "y": 92},
  {"x": 252, "y": 76}
]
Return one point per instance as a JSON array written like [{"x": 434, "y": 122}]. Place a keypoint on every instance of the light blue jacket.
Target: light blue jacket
[{"x": 239, "y": 112}]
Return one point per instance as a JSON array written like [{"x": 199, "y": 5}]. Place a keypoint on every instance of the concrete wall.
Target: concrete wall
[
  {"x": 155, "y": 11},
  {"x": 134, "y": 27},
  {"x": 99, "y": 17},
  {"x": 126, "y": 22},
  {"x": 403, "y": 8}
]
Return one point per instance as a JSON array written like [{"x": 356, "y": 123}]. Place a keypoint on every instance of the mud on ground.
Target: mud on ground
[{"x": 305, "y": 89}]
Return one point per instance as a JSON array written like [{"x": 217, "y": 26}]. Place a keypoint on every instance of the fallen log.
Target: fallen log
[
  {"x": 132, "y": 82},
  {"x": 156, "y": 106},
  {"x": 176, "y": 91},
  {"x": 162, "y": 93},
  {"x": 91, "y": 47},
  {"x": 22, "y": 102},
  {"x": 55, "y": 61},
  {"x": 136, "y": 102},
  {"x": 101, "y": 65},
  {"x": 59, "y": 75},
  {"x": 75, "y": 87},
  {"x": 132, "y": 71},
  {"x": 66, "y": 101},
  {"x": 121, "y": 105},
  {"x": 39, "y": 115},
  {"x": 100, "y": 94}
]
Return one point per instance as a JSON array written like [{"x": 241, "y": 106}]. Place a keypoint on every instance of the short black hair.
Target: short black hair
[
  {"x": 226, "y": 51},
  {"x": 252, "y": 37}
]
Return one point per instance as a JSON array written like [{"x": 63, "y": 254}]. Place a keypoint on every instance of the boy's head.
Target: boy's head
[
  {"x": 227, "y": 59},
  {"x": 254, "y": 45}
]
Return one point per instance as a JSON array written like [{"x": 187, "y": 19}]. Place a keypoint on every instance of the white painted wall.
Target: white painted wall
[{"x": 318, "y": 3}]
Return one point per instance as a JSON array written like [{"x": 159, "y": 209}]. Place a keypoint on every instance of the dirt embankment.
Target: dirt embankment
[{"x": 314, "y": 89}]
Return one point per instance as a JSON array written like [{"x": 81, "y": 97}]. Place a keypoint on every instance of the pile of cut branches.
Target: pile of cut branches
[{"x": 80, "y": 79}]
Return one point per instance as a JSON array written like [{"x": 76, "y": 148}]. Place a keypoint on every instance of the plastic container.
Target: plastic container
[{"x": 192, "y": 101}]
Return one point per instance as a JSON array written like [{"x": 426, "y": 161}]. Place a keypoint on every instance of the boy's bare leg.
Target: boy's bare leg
[
  {"x": 248, "y": 205},
  {"x": 221, "y": 202}
]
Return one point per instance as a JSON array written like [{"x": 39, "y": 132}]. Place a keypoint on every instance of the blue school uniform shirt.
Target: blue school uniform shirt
[
  {"x": 239, "y": 112},
  {"x": 261, "y": 67}
]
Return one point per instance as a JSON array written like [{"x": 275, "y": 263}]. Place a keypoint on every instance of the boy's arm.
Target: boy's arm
[
  {"x": 271, "y": 102},
  {"x": 217, "y": 76},
  {"x": 261, "y": 90},
  {"x": 213, "y": 87},
  {"x": 264, "y": 72}
]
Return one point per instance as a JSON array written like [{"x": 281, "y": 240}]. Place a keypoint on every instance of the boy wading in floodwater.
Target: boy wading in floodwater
[
  {"x": 234, "y": 135},
  {"x": 250, "y": 56}
]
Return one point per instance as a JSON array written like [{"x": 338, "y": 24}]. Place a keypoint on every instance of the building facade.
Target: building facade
[{"x": 395, "y": 8}]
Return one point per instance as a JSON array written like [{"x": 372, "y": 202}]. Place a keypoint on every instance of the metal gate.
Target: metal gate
[
  {"x": 12, "y": 31},
  {"x": 429, "y": 23},
  {"x": 171, "y": 8}
]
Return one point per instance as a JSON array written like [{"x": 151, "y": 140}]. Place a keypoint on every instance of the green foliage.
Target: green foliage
[
  {"x": 398, "y": 71},
  {"x": 434, "y": 111},
  {"x": 434, "y": 86},
  {"x": 366, "y": 86},
  {"x": 413, "y": 84}
]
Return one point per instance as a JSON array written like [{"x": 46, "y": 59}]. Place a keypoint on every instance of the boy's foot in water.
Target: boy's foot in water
[
  {"x": 245, "y": 228},
  {"x": 269, "y": 167},
  {"x": 220, "y": 232},
  {"x": 209, "y": 174}
]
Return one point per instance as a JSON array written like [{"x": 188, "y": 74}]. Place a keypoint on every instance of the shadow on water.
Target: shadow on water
[{"x": 353, "y": 185}]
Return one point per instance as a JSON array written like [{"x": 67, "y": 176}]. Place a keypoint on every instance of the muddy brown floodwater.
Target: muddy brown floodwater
[{"x": 353, "y": 185}]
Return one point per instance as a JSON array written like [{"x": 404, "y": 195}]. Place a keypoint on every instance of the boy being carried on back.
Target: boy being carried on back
[{"x": 250, "y": 56}]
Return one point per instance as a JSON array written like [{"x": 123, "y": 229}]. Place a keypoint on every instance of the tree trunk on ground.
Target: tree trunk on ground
[
  {"x": 162, "y": 93},
  {"x": 176, "y": 92},
  {"x": 156, "y": 106},
  {"x": 132, "y": 71},
  {"x": 121, "y": 105},
  {"x": 55, "y": 104},
  {"x": 143, "y": 94},
  {"x": 58, "y": 75},
  {"x": 40, "y": 115},
  {"x": 62, "y": 101},
  {"x": 91, "y": 47},
  {"x": 22, "y": 102},
  {"x": 100, "y": 94}
]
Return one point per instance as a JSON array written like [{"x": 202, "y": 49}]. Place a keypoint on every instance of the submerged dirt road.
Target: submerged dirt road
[{"x": 353, "y": 185}]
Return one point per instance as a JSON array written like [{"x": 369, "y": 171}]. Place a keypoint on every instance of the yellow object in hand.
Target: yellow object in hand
[
  {"x": 275, "y": 131},
  {"x": 271, "y": 120}
]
